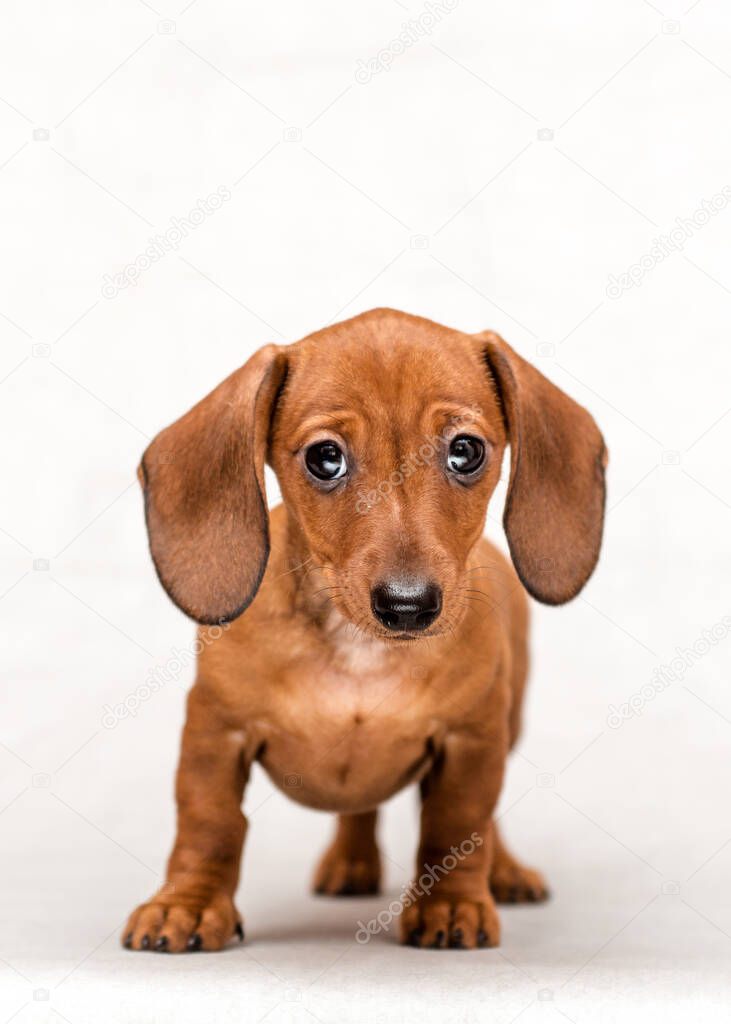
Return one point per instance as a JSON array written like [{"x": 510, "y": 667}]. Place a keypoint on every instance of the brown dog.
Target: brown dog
[{"x": 383, "y": 640}]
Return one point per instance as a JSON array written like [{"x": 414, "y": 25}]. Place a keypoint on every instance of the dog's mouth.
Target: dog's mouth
[{"x": 406, "y": 636}]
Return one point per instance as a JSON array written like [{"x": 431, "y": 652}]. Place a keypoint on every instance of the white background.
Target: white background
[{"x": 333, "y": 184}]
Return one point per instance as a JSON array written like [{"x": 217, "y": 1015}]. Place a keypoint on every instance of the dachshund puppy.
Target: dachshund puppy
[{"x": 364, "y": 635}]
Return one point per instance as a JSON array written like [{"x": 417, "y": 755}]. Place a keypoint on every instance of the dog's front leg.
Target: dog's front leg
[
  {"x": 194, "y": 908},
  {"x": 449, "y": 903}
]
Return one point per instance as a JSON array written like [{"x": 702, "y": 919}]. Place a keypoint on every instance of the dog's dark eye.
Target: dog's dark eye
[
  {"x": 466, "y": 455},
  {"x": 326, "y": 461}
]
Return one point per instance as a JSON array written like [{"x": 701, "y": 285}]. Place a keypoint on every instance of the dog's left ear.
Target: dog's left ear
[
  {"x": 554, "y": 510},
  {"x": 205, "y": 502}
]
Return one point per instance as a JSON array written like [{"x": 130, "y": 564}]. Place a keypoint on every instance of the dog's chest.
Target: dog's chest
[
  {"x": 352, "y": 730},
  {"x": 355, "y": 658}
]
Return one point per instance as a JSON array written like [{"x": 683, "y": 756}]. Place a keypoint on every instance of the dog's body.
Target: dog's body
[
  {"x": 384, "y": 640},
  {"x": 341, "y": 722}
]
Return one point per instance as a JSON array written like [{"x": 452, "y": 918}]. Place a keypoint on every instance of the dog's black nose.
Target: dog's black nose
[{"x": 406, "y": 605}]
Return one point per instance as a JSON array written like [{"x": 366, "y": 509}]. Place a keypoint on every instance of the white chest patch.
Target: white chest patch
[{"x": 355, "y": 652}]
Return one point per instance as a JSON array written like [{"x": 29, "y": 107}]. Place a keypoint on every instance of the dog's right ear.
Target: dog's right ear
[{"x": 205, "y": 503}]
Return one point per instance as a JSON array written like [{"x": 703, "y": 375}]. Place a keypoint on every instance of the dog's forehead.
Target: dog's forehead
[{"x": 385, "y": 361}]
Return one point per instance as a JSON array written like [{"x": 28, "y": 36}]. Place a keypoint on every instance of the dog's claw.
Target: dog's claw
[
  {"x": 414, "y": 936},
  {"x": 481, "y": 938},
  {"x": 456, "y": 941},
  {"x": 158, "y": 924},
  {"x": 513, "y": 882}
]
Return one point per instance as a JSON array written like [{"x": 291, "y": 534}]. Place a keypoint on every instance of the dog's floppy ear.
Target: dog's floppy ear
[
  {"x": 554, "y": 510},
  {"x": 205, "y": 504}
]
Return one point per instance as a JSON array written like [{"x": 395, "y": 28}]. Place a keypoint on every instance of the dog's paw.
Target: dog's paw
[
  {"x": 183, "y": 923},
  {"x": 512, "y": 882},
  {"x": 338, "y": 875},
  {"x": 451, "y": 922}
]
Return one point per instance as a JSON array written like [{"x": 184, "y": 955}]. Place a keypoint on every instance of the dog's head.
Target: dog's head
[{"x": 387, "y": 434}]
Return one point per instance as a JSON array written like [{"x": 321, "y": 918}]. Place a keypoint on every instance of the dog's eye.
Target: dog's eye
[
  {"x": 466, "y": 455},
  {"x": 326, "y": 461}
]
